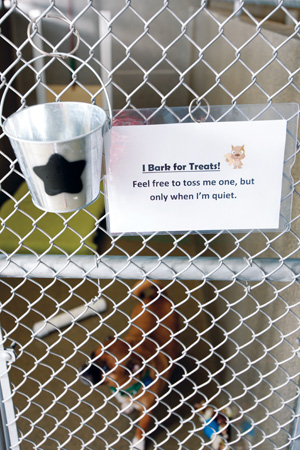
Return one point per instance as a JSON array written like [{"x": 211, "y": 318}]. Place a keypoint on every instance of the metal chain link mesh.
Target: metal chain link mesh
[{"x": 239, "y": 324}]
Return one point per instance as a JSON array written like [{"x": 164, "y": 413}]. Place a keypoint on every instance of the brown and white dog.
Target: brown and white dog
[{"x": 138, "y": 366}]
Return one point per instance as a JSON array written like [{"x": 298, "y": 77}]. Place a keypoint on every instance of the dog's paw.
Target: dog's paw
[
  {"x": 128, "y": 409},
  {"x": 138, "y": 444},
  {"x": 126, "y": 406}
]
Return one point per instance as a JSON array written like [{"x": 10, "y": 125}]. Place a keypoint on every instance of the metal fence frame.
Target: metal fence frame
[{"x": 279, "y": 271}]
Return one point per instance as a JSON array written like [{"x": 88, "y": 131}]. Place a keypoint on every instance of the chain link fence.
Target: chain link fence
[{"x": 67, "y": 283}]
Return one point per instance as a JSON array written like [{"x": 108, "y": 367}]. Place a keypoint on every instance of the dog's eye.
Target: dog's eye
[{"x": 105, "y": 368}]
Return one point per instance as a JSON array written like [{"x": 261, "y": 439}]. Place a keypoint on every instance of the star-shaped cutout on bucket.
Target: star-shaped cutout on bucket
[{"x": 60, "y": 175}]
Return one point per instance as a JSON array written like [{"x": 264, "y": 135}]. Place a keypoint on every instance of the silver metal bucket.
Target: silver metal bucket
[{"x": 59, "y": 147}]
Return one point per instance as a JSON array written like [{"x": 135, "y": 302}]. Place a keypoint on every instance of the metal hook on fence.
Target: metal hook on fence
[
  {"x": 28, "y": 63},
  {"x": 191, "y": 112},
  {"x": 53, "y": 54}
]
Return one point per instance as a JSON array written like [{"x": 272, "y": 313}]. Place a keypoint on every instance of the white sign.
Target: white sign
[{"x": 208, "y": 176}]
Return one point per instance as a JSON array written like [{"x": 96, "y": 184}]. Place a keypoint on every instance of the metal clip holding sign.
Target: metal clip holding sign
[
  {"x": 201, "y": 120},
  {"x": 59, "y": 146}
]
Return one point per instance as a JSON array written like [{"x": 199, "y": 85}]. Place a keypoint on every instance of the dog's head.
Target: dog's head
[
  {"x": 238, "y": 152},
  {"x": 113, "y": 363}
]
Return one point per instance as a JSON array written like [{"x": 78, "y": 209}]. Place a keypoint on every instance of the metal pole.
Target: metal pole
[
  {"x": 8, "y": 428},
  {"x": 183, "y": 268}
]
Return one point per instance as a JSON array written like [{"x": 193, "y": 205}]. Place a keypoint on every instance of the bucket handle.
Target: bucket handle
[{"x": 8, "y": 86}]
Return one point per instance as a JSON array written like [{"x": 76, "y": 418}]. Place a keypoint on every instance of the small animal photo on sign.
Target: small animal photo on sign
[{"x": 234, "y": 158}]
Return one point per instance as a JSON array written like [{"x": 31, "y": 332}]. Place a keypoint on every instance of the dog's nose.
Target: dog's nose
[
  {"x": 90, "y": 374},
  {"x": 83, "y": 369},
  {"x": 84, "y": 374}
]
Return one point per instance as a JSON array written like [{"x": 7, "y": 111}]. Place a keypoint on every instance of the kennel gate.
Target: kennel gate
[{"x": 237, "y": 294}]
